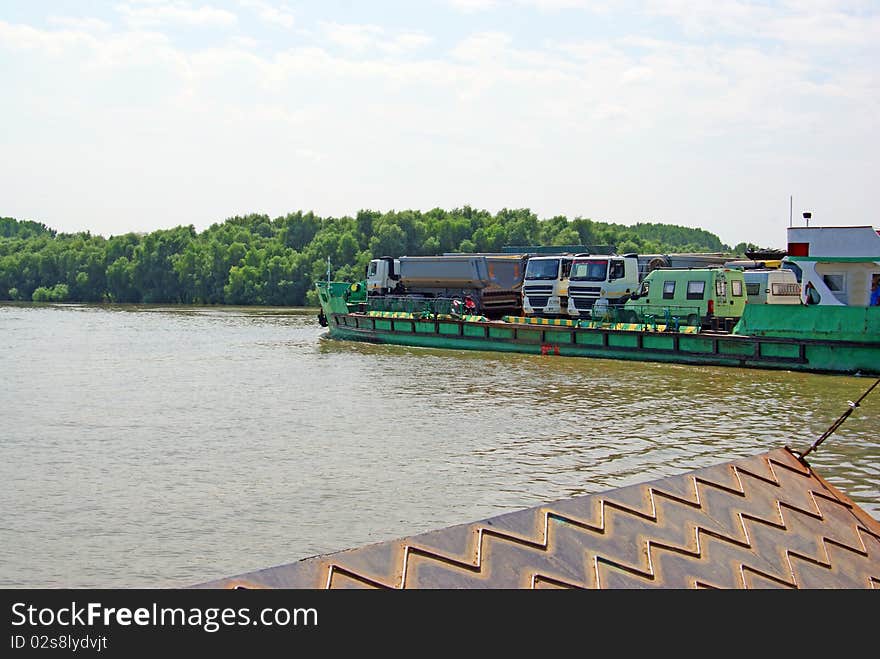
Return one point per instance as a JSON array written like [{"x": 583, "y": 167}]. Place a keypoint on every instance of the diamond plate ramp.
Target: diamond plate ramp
[{"x": 768, "y": 521}]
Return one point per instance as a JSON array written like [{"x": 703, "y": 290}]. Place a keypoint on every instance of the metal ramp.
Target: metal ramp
[{"x": 768, "y": 521}]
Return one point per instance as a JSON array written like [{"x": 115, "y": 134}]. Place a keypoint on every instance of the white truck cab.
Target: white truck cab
[
  {"x": 545, "y": 285},
  {"x": 600, "y": 278},
  {"x": 383, "y": 275}
]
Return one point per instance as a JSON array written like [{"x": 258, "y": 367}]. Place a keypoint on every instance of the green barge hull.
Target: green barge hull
[{"x": 838, "y": 340}]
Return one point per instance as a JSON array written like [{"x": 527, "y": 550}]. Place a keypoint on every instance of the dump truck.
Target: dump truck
[{"x": 493, "y": 282}]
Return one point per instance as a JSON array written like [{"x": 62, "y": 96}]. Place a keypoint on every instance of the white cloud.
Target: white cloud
[
  {"x": 407, "y": 41},
  {"x": 80, "y": 24},
  {"x": 470, "y": 6},
  {"x": 624, "y": 128},
  {"x": 363, "y": 38},
  {"x": 595, "y": 6},
  {"x": 805, "y": 24},
  {"x": 485, "y": 46},
  {"x": 25, "y": 37},
  {"x": 244, "y": 43},
  {"x": 724, "y": 16},
  {"x": 355, "y": 37},
  {"x": 636, "y": 74},
  {"x": 176, "y": 12},
  {"x": 473, "y": 6},
  {"x": 308, "y": 154},
  {"x": 282, "y": 16}
]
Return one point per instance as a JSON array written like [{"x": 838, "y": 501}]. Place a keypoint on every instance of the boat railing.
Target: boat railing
[
  {"x": 652, "y": 316},
  {"x": 424, "y": 307}
]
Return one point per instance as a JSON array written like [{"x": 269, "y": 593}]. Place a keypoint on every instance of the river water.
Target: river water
[{"x": 167, "y": 446}]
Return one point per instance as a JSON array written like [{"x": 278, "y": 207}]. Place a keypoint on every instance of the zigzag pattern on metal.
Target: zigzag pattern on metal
[{"x": 763, "y": 522}]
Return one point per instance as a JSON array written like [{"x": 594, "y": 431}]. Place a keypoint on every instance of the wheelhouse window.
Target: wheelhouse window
[
  {"x": 696, "y": 290},
  {"x": 668, "y": 290},
  {"x": 836, "y": 283},
  {"x": 542, "y": 269},
  {"x": 736, "y": 288}
]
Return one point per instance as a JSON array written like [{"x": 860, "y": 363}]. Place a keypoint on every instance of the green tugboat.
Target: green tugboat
[{"x": 832, "y": 330}]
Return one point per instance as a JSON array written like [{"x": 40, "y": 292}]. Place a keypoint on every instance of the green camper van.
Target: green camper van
[{"x": 711, "y": 298}]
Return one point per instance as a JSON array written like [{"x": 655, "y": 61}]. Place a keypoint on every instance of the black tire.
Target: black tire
[{"x": 655, "y": 263}]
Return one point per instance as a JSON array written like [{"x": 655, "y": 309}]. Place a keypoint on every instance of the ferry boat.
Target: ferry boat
[{"x": 832, "y": 330}]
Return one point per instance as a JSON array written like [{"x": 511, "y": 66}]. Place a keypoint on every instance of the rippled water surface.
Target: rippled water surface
[{"x": 160, "y": 446}]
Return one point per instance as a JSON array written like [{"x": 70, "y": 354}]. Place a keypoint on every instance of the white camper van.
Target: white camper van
[{"x": 772, "y": 286}]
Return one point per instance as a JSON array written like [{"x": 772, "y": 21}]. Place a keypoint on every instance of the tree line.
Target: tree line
[{"x": 258, "y": 260}]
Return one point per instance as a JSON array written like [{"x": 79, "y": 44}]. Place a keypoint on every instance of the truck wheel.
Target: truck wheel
[{"x": 655, "y": 263}]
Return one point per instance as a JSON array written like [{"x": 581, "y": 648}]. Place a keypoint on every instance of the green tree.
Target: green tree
[
  {"x": 252, "y": 259},
  {"x": 57, "y": 293},
  {"x": 390, "y": 240}
]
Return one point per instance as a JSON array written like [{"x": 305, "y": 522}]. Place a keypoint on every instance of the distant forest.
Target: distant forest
[{"x": 257, "y": 260}]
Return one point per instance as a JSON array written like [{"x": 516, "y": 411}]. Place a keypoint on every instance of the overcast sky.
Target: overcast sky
[{"x": 139, "y": 115}]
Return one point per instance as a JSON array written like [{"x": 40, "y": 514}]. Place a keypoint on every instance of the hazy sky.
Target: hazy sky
[{"x": 139, "y": 115}]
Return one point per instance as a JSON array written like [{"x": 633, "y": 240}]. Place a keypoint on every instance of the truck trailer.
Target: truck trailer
[{"x": 492, "y": 281}]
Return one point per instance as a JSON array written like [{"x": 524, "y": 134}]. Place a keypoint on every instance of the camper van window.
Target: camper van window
[
  {"x": 668, "y": 290},
  {"x": 785, "y": 289},
  {"x": 721, "y": 287},
  {"x": 753, "y": 288},
  {"x": 736, "y": 288},
  {"x": 695, "y": 290}
]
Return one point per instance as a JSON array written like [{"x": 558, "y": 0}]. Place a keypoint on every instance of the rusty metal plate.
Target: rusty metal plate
[{"x": 763, "y": 522}]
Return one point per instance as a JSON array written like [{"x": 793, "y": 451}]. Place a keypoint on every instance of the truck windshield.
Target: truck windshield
[
  {"x": 542, "y": 269},
  {"x": 589, "y": 270}
]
